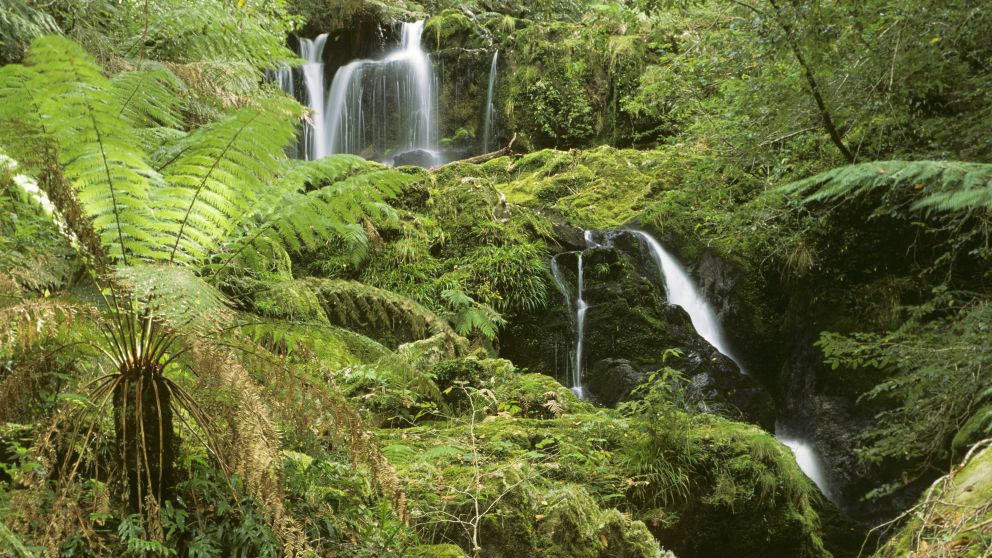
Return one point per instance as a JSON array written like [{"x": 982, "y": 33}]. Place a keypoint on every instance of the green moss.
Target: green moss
[
  {"x": 954, "y": 519},
  {"x": 436, "y": 551}
]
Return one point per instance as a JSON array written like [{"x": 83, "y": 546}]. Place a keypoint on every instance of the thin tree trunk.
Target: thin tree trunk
[{"x": 814, "y": 87}]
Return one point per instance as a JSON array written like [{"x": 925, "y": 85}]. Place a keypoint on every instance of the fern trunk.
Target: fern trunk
[{"x": 147, "y": 440}]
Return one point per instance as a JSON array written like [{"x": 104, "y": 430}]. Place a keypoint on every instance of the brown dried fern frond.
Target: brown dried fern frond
[{"x": 250, "y": 444}]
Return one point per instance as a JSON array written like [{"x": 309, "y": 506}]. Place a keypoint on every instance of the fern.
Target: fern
[
  {"x": 19, "y": 24},
  {"x": 148, "y": 97},
  {"x": 215, "y": 183},
  {"x": 176, "y": 297},
  {"x": 80, "y": 113},
  {"x": 937, "y": 185},
  {"x": 349, "y": 189},
  {"x": 355, "y": 302}
]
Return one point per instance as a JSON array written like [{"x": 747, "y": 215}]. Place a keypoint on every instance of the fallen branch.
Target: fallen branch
[{"x": 491, "y": 155}]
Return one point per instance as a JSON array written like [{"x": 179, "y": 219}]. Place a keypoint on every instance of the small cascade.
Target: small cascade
[
  {"x": 574, "y": 369},
  {"x": 580, "y": 330},
  {"x": 488, "y": 130},
  {"x": 385, "y": 107},
  {"x": 683, "y": 292},
  {"x": 314, "y": 133},
  {"x": 807, "y": 459},
  {"x": 283, "y": 77}
]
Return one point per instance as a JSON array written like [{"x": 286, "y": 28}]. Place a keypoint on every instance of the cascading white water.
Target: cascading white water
[
  {"x": 375, "y": 108},
  {"x": 807, "y": 459},
  {"x": 314, "y": 133},
  {"x": 487, "y": 122},
  {"x": 573, "y": 373},
  {"x": 387, "y": 106},
  {"x": 682, "y": 292},
  {"x": 580, "y": 331}
]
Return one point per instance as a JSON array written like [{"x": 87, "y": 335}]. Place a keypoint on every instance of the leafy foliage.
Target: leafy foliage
[
  {"x": 931, "y": 388},
  {"x": 938, "y": 185}
]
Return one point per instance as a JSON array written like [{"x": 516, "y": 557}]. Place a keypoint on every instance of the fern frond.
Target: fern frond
[
  {"x": 149, "y": 97},
  {"x": 23, "y": 133},
  {"x": 176, "y": 297},
  {"x": 29, "y": 321},
  {"x": 295, "y": 220},
  {"x": 938, "y": 185},
  {"x": 354, "y": 302},
  {"x": 215, "y": 183},
  {"x": 99, "y": 151},
  {"x": 399, "y": 453},
  {"x": 19, "y": 25}
]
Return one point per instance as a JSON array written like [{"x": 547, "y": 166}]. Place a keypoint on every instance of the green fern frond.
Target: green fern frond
[
  {"x": 185, "y": 31},
  {"x": 295, "y": 220},
  {"x": 214, "y": 183},
  {"x": 148, "y": 97},
  {"x": 399, "y": 453},
  {"x": 19, "y": 25},
  {"x": 938, "y": 185},
  {"x": 353, "y": 302},
  {"x": 163, "y": 144},
  {"x": 176, "y": 297},
  {"x": 79, "y": 111},
  {"x": 23, "y": 132}
]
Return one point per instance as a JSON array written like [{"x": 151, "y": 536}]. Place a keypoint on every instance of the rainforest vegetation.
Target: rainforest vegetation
[{"x": 496, "y": 278}]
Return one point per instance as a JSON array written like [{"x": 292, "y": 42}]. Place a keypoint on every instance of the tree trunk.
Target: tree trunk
[{"x": 145, "y": 436}]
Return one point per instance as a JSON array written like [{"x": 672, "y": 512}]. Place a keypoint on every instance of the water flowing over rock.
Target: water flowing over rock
[
  {"x": 382, "y": 109},
  {"x": 386, "y": 107},
  {"x": 621, "y": 324},
  {"x": 314, "y": 133},
  {"x": 683, "y": 292},
  {"x": 488, "y": 130}
]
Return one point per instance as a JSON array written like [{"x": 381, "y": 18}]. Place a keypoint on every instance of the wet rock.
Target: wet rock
[{"x": 416, "y": 158}]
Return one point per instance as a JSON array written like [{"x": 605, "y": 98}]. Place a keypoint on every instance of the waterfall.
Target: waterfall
[
  {"x": 580, "y": 331},
  {"x": 314, "y": 133},
  {"x": 574, "y": 371},
  {"x": 807, "y": 459},
  {"x": 683, "y": 292},
  {"x": 487, "y": 123},
  {"x": 386, "y": 107}
]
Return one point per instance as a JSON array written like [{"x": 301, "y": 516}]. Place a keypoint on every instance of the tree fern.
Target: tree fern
[
  {"x": 67, "y": 103},
  {"x": 937, "y": 185},
  {"x": 176, "y": 297},
  {"x": 214, "y": 184},
  {"x": 352, "y": 302}
]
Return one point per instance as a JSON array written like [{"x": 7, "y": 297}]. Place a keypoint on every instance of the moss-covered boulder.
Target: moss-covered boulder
[{"x": 954, "y": 517}]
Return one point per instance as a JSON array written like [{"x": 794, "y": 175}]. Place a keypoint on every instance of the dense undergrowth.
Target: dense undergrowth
[{"x": 209, "y": 349}]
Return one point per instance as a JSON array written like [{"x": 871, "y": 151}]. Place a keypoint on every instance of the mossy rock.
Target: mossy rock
[
  {"x": 955, "y": 517},
  {"x": 436, "y": 551},
  {"x": 536, "y": 396}
]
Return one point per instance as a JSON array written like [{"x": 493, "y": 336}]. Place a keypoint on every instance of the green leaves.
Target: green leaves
[
  {"x": 216, "y": 181},
  {"x": 69, "y": 108},
  {"x": 176, "y": 297},
  {"x": 936, "y": 185}
]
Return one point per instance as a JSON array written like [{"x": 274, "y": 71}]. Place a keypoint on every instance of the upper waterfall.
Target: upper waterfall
[
  {"x": 384, "y": 109},
  {"x": 388, "y": 107},
  {"x": 314, "y": 133}
]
